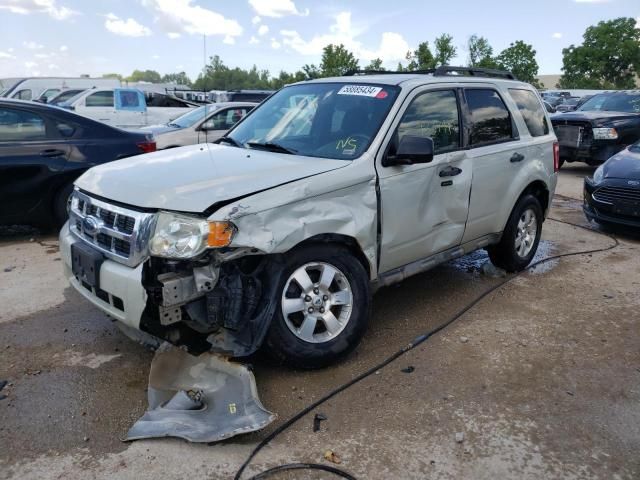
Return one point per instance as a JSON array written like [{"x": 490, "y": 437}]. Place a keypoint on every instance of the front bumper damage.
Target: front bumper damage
[
  {"x": 222, "y": 303},
  {"x": 200, "y": 399}
]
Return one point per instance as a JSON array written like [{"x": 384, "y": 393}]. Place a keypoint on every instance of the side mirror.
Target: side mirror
[{"x": 412, "y": 149}]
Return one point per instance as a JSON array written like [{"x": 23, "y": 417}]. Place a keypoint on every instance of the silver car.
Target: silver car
[
  {"x": 202, "y": 125},
  {"x": 277, "y": 235}
]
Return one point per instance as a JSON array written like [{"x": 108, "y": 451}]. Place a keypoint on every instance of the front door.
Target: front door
[{"x": 424, "y": 206}]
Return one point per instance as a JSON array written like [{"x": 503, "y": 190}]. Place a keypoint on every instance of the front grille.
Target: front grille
[
  {"x": 119, "y": 233},
  {"x": 617, "y": 194},
  {"x": 573, "y": 134}
]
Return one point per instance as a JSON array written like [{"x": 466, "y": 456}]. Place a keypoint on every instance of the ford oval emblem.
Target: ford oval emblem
[
  {"x": 633, "y": 183},
  {"x": 91, "y": 225}
]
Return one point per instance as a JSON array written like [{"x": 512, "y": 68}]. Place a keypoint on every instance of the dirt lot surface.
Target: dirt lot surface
[{"x": 542, "y": 378}]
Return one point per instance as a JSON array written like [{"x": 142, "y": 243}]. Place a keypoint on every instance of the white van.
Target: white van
[
  {"x": 124, "y": 107},
  {"x": 44, "y": 88}
]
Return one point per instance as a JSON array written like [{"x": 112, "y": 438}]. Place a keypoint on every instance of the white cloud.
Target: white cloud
[
  {"x": 53, "y": 66},
  {"x": 155, "y": 57},
  {"x": 27, "y": 7},
  {"x": 557, "y": 35},
  {"x": 253, "y": 40},
  {"x": 173, "y": 35},
  {"x": 592, "y": 1},
  {"x": 229, "y": 40},
  {"x": 275, "y": 44},
  {"x": 32, "y": 45},
  {"x": 263, "y": 30},
  {"x": 125, "y": 28},
  {"x": 276, "y": 8},
  {"x": 63, "y": 48},
  {"x": 30, "y": 64},
  {"x": 43, "y": 55},
  {"x": 182, "y": 16},
  {"x": 392, "y": 48},
  {"x": 6, "y": 55},
  {"x": 256, "y": 20}
]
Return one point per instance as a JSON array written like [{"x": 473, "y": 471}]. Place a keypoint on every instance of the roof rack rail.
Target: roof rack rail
[
  {"x": 442, "y": 71},
  {"x": 445, "y": 70}
]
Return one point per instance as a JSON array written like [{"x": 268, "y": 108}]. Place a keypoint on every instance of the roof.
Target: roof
[{"x": 413, "y": 79}]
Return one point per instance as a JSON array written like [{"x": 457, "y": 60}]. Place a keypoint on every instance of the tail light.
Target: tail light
[
  {"x": 147, "y": 147},
  {"x": 556, "y": 157}
]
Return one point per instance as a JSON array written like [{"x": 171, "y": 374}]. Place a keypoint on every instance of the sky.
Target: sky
[{"x": 73, "y": 37}]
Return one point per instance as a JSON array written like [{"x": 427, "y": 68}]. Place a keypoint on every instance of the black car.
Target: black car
[
  {"x": 600, "y": 128},
  {"x": 43, "y": 149},
  {"x": 612, "y": 195}
]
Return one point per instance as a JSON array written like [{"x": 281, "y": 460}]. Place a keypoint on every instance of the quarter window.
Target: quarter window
[
  {"x": 490, "y": 119},
  {"x": 100, "y": 99},
  {"x": 19, "y": 126},
  {"x": 531, "y": 110},
  {"x": 23, "y": 95},
  {"x": 434, "y": 115}
]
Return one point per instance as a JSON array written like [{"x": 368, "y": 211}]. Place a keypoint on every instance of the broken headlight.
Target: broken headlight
[{"x": 184, "y": 236}]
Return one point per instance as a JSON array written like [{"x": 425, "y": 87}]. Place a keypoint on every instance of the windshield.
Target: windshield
[
  {"x": 613, "y": 102},
  {"x": 326, "y": 120},
  {"x": 191, "y": 117}
]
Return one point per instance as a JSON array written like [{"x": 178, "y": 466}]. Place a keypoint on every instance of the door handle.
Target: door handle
[
  {"x": 52, "y": 152},
  {"x": 516, "y": 157},
  {"x": 450, "y": 172}
]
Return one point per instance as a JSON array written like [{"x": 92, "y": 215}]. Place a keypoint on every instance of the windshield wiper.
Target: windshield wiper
[
  {"x": 229, "y": 140},
  {"x": 272, "y": 147}
]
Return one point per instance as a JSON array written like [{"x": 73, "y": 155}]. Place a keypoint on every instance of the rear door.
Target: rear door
[
  {"x": 98, "y": 105},
  {"x": 32, "y": 153},
  {"x": 496, "y": 156},
  {"x": 424, "y": 206}
]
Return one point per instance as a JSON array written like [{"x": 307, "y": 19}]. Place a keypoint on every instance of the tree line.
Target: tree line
[{"x": 608, "y": 58}]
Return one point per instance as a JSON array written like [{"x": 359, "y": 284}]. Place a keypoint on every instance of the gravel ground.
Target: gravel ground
[{"x": 540, "y": 380}]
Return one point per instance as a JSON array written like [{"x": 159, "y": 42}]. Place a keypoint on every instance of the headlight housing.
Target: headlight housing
[
  {"x": 605, "y": 133},
  {"x": 598, "y": 175},
  {"x": 183, "y": 236}
]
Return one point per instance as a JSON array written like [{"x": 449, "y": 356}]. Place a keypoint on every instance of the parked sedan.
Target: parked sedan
[
  {"x": 202, "y": 125},
  {"x": 612, "y": 195},
  {"x": 43, "y": 149}
]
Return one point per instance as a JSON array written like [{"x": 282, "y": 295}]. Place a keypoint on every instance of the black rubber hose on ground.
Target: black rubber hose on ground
[{"x": 410, "y": 346}]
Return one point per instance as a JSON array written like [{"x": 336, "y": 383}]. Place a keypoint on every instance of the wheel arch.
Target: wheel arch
[{"x": 539, "y": 190}]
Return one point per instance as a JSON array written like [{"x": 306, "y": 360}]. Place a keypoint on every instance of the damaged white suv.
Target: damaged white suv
[{"x": 277, "y": 235}]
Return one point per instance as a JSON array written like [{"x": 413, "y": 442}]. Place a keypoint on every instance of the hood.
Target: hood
[
  {"x": 192, "y": 178},
  {"x": 594, "y": 116},
  {"x": 624, "y": 164}
]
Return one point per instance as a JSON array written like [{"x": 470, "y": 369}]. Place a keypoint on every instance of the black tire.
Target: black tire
[
  {"x": 504, "y": 255},
  {"x": 60, "y": 205},
  {"x": 282, "y": 345}
]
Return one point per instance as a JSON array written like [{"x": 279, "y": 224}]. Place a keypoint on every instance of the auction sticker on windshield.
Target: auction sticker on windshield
[{"x": 362, "y": 90}]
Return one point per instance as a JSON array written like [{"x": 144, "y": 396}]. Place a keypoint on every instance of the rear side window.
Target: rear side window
[
  {"x": 23, "y": 95},
  {"x": 20, "y": 126},
  {"x": 490, "y": 118},
  {"x": 531, "y": 111},
  {"x": 100, "y": 99}
]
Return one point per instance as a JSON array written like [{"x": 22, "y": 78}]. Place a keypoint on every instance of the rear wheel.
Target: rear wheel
[
  {"x": 324, "y": 307},
  {"x": 521, "y": 236}
]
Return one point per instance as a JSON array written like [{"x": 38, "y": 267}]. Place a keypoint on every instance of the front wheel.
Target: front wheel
[
  {"x": 521, "y": 236},
  {"x": 324, "y": 307}
]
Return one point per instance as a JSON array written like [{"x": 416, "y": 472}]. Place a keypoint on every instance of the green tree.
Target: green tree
[
  {"x": 480, "y": 52},
  {"x": 179, "y": 78},
  {"x": 420, "y": 59},
  {"x": 608, "y": 58},
  {"x": 112, "y": 75},
  {"x": 337, "y": 60},
  {"x": 376, "y": 65},
  {"x": 520, "y": 59},
  {"x": 144, "y": 76},
  {"x": 444, "y": 50}
]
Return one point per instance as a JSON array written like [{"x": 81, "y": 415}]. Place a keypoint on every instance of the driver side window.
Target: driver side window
[{"x": 434, "y": 115}]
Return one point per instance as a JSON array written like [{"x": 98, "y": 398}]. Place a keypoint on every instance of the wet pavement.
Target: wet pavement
[{"x": 542, "y": 378}]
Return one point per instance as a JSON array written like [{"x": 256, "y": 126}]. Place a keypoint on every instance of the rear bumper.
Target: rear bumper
[
  {"x": 121, "y": 294},
  {"x": 604, "y": 212}
]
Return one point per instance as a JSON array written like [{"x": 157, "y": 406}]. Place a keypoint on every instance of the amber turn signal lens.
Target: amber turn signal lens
[{"x": 220, "y": 234}]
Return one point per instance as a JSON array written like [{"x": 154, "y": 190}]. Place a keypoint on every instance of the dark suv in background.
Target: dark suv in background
[{"x": 601, "y": 127}]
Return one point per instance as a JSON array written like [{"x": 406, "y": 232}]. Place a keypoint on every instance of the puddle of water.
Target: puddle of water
[{"x": 473, "y": 262}]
